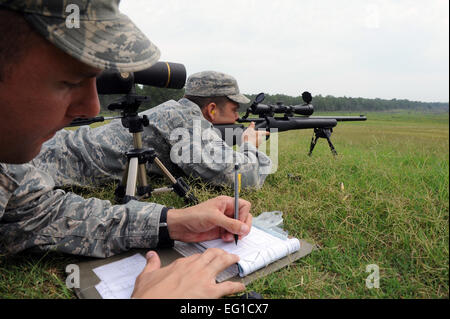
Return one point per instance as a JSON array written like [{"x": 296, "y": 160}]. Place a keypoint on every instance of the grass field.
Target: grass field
[{"x": 383, "y": 200}]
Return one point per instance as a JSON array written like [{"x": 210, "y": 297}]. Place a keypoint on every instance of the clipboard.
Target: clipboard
[{"x": 88, "y": 279}]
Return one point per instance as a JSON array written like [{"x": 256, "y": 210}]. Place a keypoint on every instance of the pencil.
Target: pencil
[{"x": 236, "y": 197}]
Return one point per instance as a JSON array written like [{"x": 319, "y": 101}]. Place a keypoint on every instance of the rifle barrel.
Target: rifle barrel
[
  {"x": 88, "y": 121},
  {"x": 342, "y": 118},
  {"x": 293, "y": 123},
  {"x": 256, "y": 120}
]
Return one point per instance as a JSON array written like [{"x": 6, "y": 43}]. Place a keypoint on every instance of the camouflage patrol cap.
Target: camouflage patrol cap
[
  {"x": 211, "y": 83},
  {"x": 104, "y": 37}
]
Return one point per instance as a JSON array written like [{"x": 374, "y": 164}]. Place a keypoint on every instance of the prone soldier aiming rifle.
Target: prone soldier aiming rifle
[{"x": 322, "y": 125}]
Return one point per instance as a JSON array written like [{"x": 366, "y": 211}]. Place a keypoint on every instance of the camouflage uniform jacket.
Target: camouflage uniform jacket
[
  {"x": 93, "y": 156},
  {"x": 35, "y": 215}
]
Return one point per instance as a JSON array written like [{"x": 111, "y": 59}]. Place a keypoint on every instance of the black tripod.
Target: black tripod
[
  {"x": 324, "y": 132},
  {"x": 135, "y": 176}
]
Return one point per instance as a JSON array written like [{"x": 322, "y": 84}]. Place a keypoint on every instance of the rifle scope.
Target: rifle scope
[
  {"x": 262, "y": 109},
  {"x": 269, "y": 110},
  {"x": 162, "y": 74}
]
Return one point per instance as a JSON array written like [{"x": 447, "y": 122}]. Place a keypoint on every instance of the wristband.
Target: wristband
[{"x": 164, "y": 240}]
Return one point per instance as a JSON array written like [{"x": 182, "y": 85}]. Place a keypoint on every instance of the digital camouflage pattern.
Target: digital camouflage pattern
[
  {"x": 104, "y": 39},
  {"x": 35, "y": 215},
  {"x": 212, "y": 83}
]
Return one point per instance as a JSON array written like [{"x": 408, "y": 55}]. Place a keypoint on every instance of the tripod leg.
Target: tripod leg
[
  {"x": 129, "y": 183},
  {"x": 120, "y": 189},
  {"x": 132, "y": 176},
  {"x": 165, "y": 170},
  {"x": 179, "y": 185},
  {"x": 143, "y": 187},
  {"x": 125, "y": 174}
]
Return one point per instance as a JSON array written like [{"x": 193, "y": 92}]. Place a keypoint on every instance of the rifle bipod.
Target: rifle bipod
[{"x": 323, "y": 132}]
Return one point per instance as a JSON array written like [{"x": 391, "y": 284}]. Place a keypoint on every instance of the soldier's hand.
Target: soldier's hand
[
  {"x": 209, "y": 220},
  {"x": 190, "y": 277},
  {"x": 253, "y": 136}
]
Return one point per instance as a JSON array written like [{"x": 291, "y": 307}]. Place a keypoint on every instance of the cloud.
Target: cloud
[{"x": 350, "y": 47}]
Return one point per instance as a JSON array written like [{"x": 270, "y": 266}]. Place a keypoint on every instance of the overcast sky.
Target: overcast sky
[{"x": 374, "y": 49}]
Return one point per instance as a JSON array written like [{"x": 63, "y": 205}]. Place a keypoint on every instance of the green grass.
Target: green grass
[{"x": 383, "y": 200}]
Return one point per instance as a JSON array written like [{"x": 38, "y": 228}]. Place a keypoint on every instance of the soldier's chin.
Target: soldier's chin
[
  {"x": 19, "y": 153},
  {"x": 26, "y": 157}
]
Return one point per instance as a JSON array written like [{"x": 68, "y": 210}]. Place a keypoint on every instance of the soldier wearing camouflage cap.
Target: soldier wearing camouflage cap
[
  {"x": 211, "y": 83},
  {"x": 47, "y": 78},
  {"x": 101, "y": 37}
]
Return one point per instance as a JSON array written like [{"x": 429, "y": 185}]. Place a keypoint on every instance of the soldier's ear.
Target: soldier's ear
[{"x": 211, "y": 110}]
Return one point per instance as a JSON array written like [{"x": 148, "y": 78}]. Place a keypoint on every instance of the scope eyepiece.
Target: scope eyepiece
[{"x": 161, "y": 74}]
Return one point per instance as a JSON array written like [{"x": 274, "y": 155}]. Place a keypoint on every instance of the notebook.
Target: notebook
[
  {"x": 117, "y": 279},
  {"x": 257, "y": 250}
]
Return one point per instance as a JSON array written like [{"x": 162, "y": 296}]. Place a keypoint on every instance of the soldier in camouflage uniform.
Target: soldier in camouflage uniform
[
  {"x": 105, "y": 146},
  {"x": 47, "y": 78}
]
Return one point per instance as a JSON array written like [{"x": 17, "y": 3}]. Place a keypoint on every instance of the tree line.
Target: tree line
[{"x": 321, "y": 103}]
